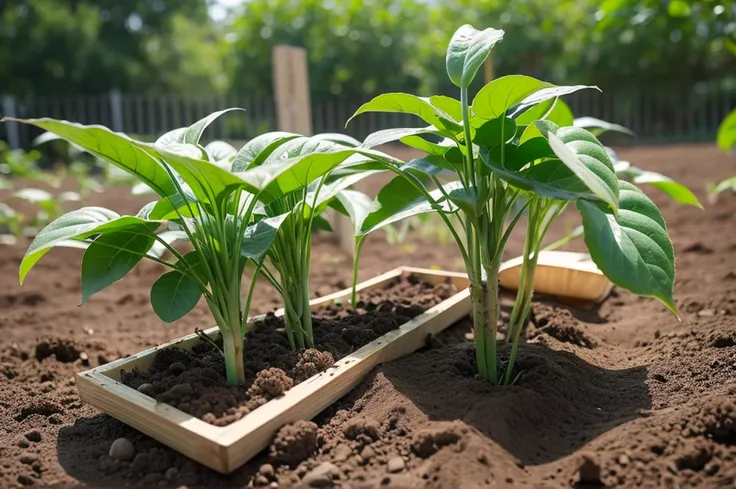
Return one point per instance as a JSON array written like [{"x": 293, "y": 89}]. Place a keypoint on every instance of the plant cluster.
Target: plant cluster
[{"x": 511, "y": 152}]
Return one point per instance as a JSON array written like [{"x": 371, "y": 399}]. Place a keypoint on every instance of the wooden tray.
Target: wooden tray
[
  {"x": 562, "y": 274},
  {"x": 226, "y": 448}
]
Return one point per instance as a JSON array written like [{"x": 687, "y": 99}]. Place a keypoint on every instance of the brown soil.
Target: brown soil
[
  {"x": 617, "y": 395},
  {"x": 194, "y": 380}
]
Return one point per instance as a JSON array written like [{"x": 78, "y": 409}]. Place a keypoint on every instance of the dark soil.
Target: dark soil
[
  {"x": 615, "y": 395},
  {"x": 194, "y": 380}
]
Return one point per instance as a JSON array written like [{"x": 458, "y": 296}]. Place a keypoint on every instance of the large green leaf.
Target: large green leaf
[
  {"x": 586, "y": 157},
  {"x": 338, "y": 138},
  {"x": 255, "y": 151},
  {"x": 517, "y": 92},
  {"x": 727, "y": 132},
  {"x": 411, "y": 104},
  {"x": 591, "y": 180},
  {"x": 79, "y": 224},
  {"x": 468, "y": 50},
  {"x": 117, "y": 149},
  {"x": 260, "y": 235},
  {"x": 111, "y": 256},
  {"x": 632, "y": 248}
]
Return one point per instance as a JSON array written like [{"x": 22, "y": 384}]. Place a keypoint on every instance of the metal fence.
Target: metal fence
[{"x": 656, "y": 115}]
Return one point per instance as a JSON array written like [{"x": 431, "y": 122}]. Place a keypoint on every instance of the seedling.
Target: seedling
[
  {"x": 509, "y": 159},
  {"x": 726, "y": 141},
  {"x": 215, "y": 198}
]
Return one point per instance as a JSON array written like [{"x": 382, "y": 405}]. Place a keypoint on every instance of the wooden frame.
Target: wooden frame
[{"x": 226, "y": 448}]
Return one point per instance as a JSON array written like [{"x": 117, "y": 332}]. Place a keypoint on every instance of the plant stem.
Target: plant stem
[
  {"x": 232, "y": 342},
  {"x": 494, "y": 311},
  {"x": 479, "y": 327},
  {"x": 359, "y": 240}
]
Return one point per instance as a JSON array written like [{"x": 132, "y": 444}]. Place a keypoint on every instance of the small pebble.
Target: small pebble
[
  {"x": 705, "y": 313},
  {"x": 28, "y": 459},
  {"x": 55, "y": 419},
  {"x": 122, "y": 449},
  {"x": 395, "y": 464},
  {"x": 23, "y": 443},
  {"x": 171, "y": 473},
  {"x": 33, "y": 436},
  {"x": 624, "y": 460},
  {"x": 176, "y": 368},
  {"x": 146, "y": 389},
  {"x": 368, "y": 453},
  {"x": 261, "y": 481},
  {"x": 267, "y": 471},
  {"x": 322, "y": 476},
  {"x": 273, "y": 485},
  {"x": 342, "y": 452}
]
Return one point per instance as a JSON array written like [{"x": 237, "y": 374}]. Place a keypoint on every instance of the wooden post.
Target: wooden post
[
  {"x": 294, "y": 114},
  {"x": 9, "y": 110}
]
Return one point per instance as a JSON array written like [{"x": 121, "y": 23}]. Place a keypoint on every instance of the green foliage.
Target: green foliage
[
  {"x": 515, "y": 160},
  {"x": 230, "y": 211}
]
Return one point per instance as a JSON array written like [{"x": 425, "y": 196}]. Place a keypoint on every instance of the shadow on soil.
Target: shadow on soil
[{"x": 559, "y": 403}]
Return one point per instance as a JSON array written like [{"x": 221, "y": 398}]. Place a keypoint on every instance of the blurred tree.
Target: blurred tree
[
  {"x": 91, "y": 46},
  {"x": 355, "y": 47}
]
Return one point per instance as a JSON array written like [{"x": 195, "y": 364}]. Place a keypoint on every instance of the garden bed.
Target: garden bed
[{"x": 620, "y": 393}]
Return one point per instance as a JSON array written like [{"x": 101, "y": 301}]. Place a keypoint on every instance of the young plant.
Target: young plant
[
  {"x": 214, "y": 203},
  {"x": 507, "y": 159},
  {"x": 726, "y": 141}
]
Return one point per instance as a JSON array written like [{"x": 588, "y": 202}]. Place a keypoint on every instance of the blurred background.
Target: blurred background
[{"x": 667, "y": 68}]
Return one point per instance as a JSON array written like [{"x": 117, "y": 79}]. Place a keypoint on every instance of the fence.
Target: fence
[{"x": 655, "y": 115}]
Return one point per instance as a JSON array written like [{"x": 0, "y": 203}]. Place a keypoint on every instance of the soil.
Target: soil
[
  {"x": 194, "y": 380},
  {"x": 619, "y": 394}
]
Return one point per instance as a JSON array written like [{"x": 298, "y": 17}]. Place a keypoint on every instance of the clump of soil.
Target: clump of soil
[{"x": 194, "y": 380}]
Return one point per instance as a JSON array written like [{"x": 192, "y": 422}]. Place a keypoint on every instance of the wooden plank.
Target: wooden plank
[{"x": 225, "y": 448}]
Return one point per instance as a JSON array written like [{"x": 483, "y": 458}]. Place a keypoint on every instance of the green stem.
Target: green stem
[
  {"x": 494, "y": 311},
  {"x": 232, "y": 342},
  {"x": 359, "y": 240}
]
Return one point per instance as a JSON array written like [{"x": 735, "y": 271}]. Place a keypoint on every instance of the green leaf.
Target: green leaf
[
  {"x": 727, "y": 132},
  {"x": 495, "y": 132},
  {"x": 676, "y": 191},
  {"x": 448, "y": 105},
  {"x": 632, "y": 248},
  {"x": 598, "y": 126},
  {"x": 354, "y": 204},
  {"x": 468, "y": 50},
  {"x": 338, "y": 138},
  {"x": 171, "y": 236},
  {"x": 207, "y": 181},
  {"x": 517, "y": 92},
  {"x": 727, "y": 184},
  {"x": 386, "y": 136},
  {"x": 498, "y": 96},
  {"x": 111, "y": 256},
  {"x": 218, "y": 151},
  {"x": 411, "y": 104},
  {"x": 175, "y": 293},
  {"x": 255, "y": 151},
  {"x": 400, "y": 199},
  {"x": 117, "y": 149},
  {"x": 260, "y": 235},
  {"x": 193, "y": 133},
  {"x": 79, "y": 224},
  {"x": 599, "y": 187},
  {"x": 586, "y": 157}
]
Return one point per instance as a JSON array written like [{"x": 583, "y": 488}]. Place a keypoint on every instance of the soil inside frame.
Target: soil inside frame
[
  {"x": 194, "y": 380},
  {"x": 616, "y": 395}
]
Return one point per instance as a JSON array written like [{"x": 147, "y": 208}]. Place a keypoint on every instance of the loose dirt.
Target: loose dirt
[
  {"x": 194, "y": 381},
  {"x": 615, "y": 395}
]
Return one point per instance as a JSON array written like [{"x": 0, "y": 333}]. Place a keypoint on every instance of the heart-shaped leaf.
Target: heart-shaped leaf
[
  {"x": 632, "y": 248},
  {"x": 468, "y": 50}
]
